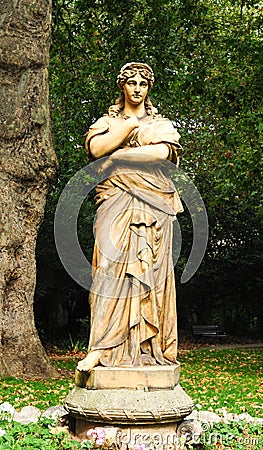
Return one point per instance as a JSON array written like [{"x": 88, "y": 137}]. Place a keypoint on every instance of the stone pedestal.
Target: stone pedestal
[
  {"x": 142, "y": 404},
  {"x": 142, "y": 378}
]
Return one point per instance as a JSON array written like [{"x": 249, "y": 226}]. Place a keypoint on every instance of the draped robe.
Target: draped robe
[{"x": 132, "y": 297}]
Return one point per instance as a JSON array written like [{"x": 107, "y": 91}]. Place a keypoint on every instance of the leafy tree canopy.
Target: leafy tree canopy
[{"x": 207, "y": 58}]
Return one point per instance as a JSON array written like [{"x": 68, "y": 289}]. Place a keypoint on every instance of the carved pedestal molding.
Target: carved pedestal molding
[{"x": 125, "y": 406}]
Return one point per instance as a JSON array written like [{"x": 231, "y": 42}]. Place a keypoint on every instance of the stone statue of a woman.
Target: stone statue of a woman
[{"x": 132, "y": 298}]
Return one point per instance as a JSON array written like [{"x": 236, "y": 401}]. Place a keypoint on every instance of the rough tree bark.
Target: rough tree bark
[{"x": 28, "y": 163}]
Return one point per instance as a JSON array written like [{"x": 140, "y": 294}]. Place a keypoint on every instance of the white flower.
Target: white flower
[
  {"x": 198, "y": 406},
  {"x": 6, "y": 407},
  {"x": 2, "y": 432},
  {"x": 7, "y": 411}
]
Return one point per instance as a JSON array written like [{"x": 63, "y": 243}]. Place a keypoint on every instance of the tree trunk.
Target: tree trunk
[{"x": 28, "y": 163}]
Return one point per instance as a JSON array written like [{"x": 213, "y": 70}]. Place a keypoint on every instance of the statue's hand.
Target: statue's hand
[
  {"x": 132, "y": 122},
  {"x": 124, "y": 127}
]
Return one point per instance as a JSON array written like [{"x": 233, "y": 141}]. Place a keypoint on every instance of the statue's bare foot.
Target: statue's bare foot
[{"x": 91, "y": 360}]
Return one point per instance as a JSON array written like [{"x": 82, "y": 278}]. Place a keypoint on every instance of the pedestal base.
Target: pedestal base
[
  {"x": 126, "y": 406},
  {"x": 140, "y": 403}
]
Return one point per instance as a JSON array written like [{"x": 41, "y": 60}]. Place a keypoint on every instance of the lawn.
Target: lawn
[
  {"x": 230, "y": 379},
  {"x": 214, "y": 379}
]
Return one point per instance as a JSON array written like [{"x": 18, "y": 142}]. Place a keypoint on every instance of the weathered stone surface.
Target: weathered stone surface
[
  {"x": 55, "y": 412},
  {"x": 27, "y": 415},
  {"x": 126, "y": 406},
  {"x": 205, "y": 416},
  {"x": 145, "y": 378},
  {"x": 189, "y": 430},
  {"x": 227, "y": 417}
]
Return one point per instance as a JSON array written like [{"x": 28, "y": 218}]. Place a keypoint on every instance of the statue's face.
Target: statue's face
[{"x": 135, "y": 90}]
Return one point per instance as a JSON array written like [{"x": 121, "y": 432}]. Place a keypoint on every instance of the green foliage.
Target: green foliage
[
  {"x": 217, "y": 380},
  {"x": 207, "y": 58},
  {"x": 39, "y": 393},
  {"x": 35, "y": 436},
  {"x": 214, "y": 379},
  {"x": 237, "y": 435},
  {"x": 40, "y": 435},
  {"x": 224, "y": 379}
]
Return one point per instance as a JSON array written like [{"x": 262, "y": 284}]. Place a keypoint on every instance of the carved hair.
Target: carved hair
[
  {"x": 127, "y": 71},
  {"x": 131, "y": 69}
]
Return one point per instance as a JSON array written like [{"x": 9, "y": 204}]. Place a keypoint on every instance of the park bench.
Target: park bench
[{"x": 207, "y": 331}]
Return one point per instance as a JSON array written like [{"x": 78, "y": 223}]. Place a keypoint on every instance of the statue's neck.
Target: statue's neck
[{"x": 138, "y": 111}]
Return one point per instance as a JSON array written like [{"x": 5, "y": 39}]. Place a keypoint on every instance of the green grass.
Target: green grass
[
  {"x": 230, "y": 379},
  {"x": 214, "y": 379},
  {"x": 40, "y": 393},
  {"x": 35, "y": 436}
]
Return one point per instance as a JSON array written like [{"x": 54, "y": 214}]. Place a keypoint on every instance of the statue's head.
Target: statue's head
[{"x": 131, "y": 69}]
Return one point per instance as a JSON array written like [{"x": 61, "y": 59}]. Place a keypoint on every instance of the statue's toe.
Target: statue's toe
[{"x": 91, "y": 360}]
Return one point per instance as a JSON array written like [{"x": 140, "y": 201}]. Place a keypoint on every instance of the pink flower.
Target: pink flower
[
  {"x": 92, "y": 433},
  {"x": 98, "y": 436},
  {"x": 139, "y": 446},
  {"x": 101, "y": 433}
]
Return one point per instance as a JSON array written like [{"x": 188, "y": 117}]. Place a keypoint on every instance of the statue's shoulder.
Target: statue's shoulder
[
  {"x": 165, "y": 131},
  {"x": 101, "y": 126},
  {"x": 162, "y": 121},
  {"x": 102, "y": 122}
]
